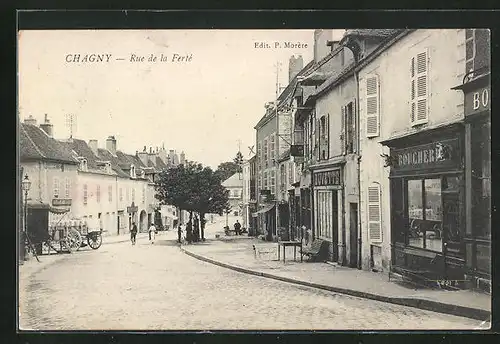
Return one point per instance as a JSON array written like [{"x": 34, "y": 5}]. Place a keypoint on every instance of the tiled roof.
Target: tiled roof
[
  {"x": 160, "y": 165},
  {"x": 106, "y": 155},
  {"x": 36, "y": 144},
  {"x": 82, "y": 149},
  {"x": 234, "y": 181},
  {"x": 370, "y": 32}
]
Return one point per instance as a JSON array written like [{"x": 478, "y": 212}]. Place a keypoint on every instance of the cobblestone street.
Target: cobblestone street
[{"x": 157, "y": 287}]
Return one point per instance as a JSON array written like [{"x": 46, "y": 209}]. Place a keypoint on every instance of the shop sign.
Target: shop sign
[
  {"x": 132, "y": 209},
  {"x": 326, "y": 178},
  {"x": 61, "y": 202},
  {"x": 297, "y": 150},
  {"x": 436, "y": 154},
  {"x": 477, "y": 101}
]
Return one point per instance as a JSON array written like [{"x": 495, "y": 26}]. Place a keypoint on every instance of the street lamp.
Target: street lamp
[{"x": 26, "y": 185}]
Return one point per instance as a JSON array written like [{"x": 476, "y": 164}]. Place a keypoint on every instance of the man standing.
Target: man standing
[
  {"x": 179, "y": 233},
  {"x": 152, "y": 233},
  {"x": 133, "y": 233},
  {"x": 237, "y": 228}
]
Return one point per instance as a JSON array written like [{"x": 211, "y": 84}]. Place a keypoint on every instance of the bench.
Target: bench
[{"x": 318, "y": 249}]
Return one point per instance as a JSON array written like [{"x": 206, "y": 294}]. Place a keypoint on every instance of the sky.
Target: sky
[{"x": 206, "y": 106}]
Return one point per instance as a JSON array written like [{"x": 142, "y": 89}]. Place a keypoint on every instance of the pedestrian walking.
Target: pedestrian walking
[
  {"x": 179, "y": 233},
  {"x": 152, "y": 233},
  {"x": 237, "y": 228},
  {"x": 133, "y": 233}
]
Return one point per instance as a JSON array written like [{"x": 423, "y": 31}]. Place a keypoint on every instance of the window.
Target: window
[
  {"x": 273, "y": 182},
  {"x": 418, "y": 89},
  {"x": 85, "y": 194},
  {"x": 324, "y": 143},
  {"x": 132, "y": 171},
  {"x": 98, "y": 194},
  {"x": 349, "y": 125},
  {"x": 291, "y": 180},
  {"x": 374, "y": 216},
  {"x": 372, "y": 106},
  {"x": 265, "y": 180},
  {"x": 121, "y": 194},
  {"x": 110, "y": 193},
  {"x": 324, "y": 213},
  {"x": 128, "y": 194},
  {"x": 143, "y": 198},
  {"x": 283, "y": 176},
  {"x": 425, "y": 214},
  {"x": 56, "y": 187},
  {"x": 274, "y": 148},
  {"x": 67, "y": 183},
  {"x": 83, "y": 163},
  {"x": 133, "y": 195},
  {"x": 259, "y": 154},
  {"x": 266, "y": 153},
  {"x": 470, "y": 49}
]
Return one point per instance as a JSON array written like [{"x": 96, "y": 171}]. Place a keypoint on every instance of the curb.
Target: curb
[{"x": 435, "y": 306}]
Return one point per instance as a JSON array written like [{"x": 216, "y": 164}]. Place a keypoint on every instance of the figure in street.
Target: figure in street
[
  {"x": 152, "y": 233},
  {"x": 179, "y": 233},
  {"x": 133, "y": 233},
  {"x": 237, "y": 228}
]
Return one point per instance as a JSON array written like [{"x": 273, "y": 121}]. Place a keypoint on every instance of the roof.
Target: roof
[
  {"x": 235, "y": 181},
  {"x": 82, "y": 149},
  {"x": 285, "y": 93},
  {"x": 36, "y": 144},
  {"x": 369, "y": 32},
  {"x": 104, "y": 154},
  {"x": 160, "y": 165}
]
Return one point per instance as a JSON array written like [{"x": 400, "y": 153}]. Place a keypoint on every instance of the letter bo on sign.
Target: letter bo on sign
[{"x": 477, "y": 101}]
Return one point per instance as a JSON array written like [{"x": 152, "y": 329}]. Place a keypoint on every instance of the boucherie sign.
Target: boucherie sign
[
  {"x": 478, "y": 101},
  {"x": 436, "y": 154}
]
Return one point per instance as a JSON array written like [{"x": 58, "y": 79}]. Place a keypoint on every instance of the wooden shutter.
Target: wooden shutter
[
  {"x": 419, "y": 88},
  {"x": 372, "y": 106},
  {"x": 374, "y": 213},
  {"x": 327, "y": 138},
  {"x": 342, "y": 131},
  {"x": 317, "y": 134}
]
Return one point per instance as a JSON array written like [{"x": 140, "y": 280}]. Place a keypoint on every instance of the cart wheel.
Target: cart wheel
[
  {"x": 73, "y": 240},
  {"x": 94, "y": 240}
]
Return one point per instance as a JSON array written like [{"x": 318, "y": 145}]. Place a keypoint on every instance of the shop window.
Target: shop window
[
  {"x": 372, "y": 106},
  {"x": 324, "y": 213},
  {"x": 481, "y": 179},
  {"x": 419, "y": 88},
  {"x": 425, "y": 214}
]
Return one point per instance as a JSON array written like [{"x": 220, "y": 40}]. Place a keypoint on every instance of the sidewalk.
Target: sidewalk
[{"x": 237, "y": 253}]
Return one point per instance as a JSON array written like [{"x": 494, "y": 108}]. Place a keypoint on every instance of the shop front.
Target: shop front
[
  {"x": 327, "y": 187},
  {"x": 427, "y": 206},
  {"x": 478, "y": 179}
]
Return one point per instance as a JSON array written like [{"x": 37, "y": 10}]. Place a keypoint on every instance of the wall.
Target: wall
[{"x": 446, "y": 69}]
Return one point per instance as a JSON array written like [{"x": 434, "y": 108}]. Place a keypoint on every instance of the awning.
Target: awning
[
  {"x": 58, "y": 210},
  {"x": 265, "y": 209}
]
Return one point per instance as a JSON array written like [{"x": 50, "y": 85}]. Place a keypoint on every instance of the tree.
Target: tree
[
  {"x": 228, "y": 168},
  {"x": 193, "y": 188}
]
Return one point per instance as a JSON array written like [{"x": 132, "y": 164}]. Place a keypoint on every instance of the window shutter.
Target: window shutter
[
  {"x": 374, "y": 213},
  {"x": 327, "y": 139},
  {"x": 372, "y": 106},
  {"x": 355, "y": 129},
  {"x": 317, "y": 134},
  {"x": 342, "y": 130},
  {"x": 419, "y": 88}
]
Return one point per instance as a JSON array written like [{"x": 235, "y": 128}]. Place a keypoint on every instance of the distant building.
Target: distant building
[{"x": 235, "y": 186}]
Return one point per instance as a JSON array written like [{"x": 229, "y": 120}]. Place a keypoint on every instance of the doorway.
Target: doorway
[
  {"x": 118, "y": 224},
  {"x": 335, "y": 226},
  {"x": 353, "y": 235}
]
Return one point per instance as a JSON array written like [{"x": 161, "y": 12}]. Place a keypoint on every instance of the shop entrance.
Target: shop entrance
[{"x": 335, "y": 226}]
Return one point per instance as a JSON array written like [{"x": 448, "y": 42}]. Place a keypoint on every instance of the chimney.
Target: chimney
[
  {"x": 150, "y": 150},
  {"x": 182, "y": 158},
  {"x": 333, "y": 45},
  {"x": 295, "y": 65},
  {"x": 93, "y": 147},
  {"x": 111, "y": 144},
  {"x": 47, "y": 126},
  {"x": 163, "y": 154},
  {"x": 30, "y": 120},
  {"x": 171, "y": 156},
  {"x": 321, "y": 38},
  {"x": 143, "y": 156}
]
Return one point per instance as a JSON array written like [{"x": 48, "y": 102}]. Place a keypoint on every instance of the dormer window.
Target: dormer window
[
  {"x": 108, "y": 167},
  {"x": 132, "y": 171},
  {"x": 83, "y": 163}
]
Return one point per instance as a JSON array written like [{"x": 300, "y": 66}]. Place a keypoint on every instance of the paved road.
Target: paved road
[{"x": 157, "y": 287}]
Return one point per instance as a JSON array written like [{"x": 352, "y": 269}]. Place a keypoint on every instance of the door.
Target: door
[
  {"x": 118, "y": 224},
  {"x": 335, "y": 226},
  {"x": 353, "y": 235}
]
